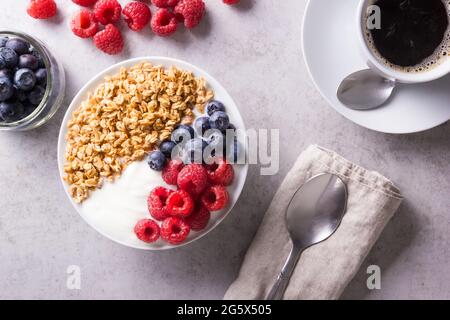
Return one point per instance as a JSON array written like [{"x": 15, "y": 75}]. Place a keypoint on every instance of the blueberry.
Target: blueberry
[
  {"x": 18, "y": 45},
  {"x": 214, "y": 106},
  {"x": 182, "y": 133},
  {"x": 3, "y": 41},
  {"x": 9, "y": 56},
  {"x": 193, "y": 150},
  {"x": 156, "y": 160},
  {"x": 231, "y": 127},
  {"x": 28, "y": 61},
  {"x": 166, "y": 148},
  {"x": 11, "y": 111},
  {"x": 201, "y": 125},
  {"x": 219, "y": 120},
  {"x": 21, "y": 95},
  {"x": 6, "y": 89},
  {"x": 234, "y": 152},
  {"x": 35, "y": 96},
  {"x": 38, "y": 56},
  {"x": 28, "y": 109},
  {"x": 6, "y": 73},
  {"x": 216, "y": 142},
  {"x": 24, "y": 79},
  {"x": 41, "y": 75}
]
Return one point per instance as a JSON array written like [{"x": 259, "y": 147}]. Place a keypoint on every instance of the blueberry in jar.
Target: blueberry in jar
[
  {"x": 156, "y": 160},
  {"x": 38, "y": 56},
  {"x": 182, "y": 133},
  {"x": 11, "y": 111},
  {"x": 213, "y": 106},
  {"x": 20, "y": 95},
  {"x": 201, "y": 125},
  {"x": 3, "y": 41},
  {"x": 6, "y": 89},
  {"x": 24, "y": 79},
  {"x": 166, "y": 148},
  {"x": 6, "y": 73},
  {"x": 18, "y": 45},
  {"x": 219, "y": 120},
  {"x": 28, "y": 61},
  {"x": 35, "y": 96},
  {"x": 9, "y": 56},
  {"x": 41, "y": 75}
]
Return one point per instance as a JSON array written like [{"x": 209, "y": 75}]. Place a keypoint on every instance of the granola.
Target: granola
[{"x": 125, "y": 118}]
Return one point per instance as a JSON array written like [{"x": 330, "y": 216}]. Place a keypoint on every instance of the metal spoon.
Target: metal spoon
[
  {"x": 313, "y": 214},
  {"x": 365, "y": 90}
]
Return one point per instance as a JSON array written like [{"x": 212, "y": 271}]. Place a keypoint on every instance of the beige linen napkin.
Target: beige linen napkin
[{"x": 324, "y": 270}]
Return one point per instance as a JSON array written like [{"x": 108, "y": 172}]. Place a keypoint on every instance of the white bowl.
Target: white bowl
[{"x": 220, "y": 94}]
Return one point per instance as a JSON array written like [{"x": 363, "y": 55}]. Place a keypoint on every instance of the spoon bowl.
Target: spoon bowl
[{"x": 365, "y": 90}]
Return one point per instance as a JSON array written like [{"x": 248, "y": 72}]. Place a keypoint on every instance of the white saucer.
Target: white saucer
[
  {"x": 240, "y": 170},
  {"x": 331, "y": 53}
]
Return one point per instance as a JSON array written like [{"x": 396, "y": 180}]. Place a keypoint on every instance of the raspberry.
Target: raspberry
[
  {"x": 107, "y": 11},
  {"x": 230, "y": 1},
  {"x": 83, "y": 24},
  {"x": 165, "y": 3},
  {"x": 137, "y": 15},
  {"x": 220, "y": 173},
  {"x": 85, "y": 3},
  {"x": 199, "y": 218},
  {"x": 180, "y": 204},
  {"x": 174, "y": 230},
  {"x": 157, "y": 203},
  {"x": 109, "y": 40},
  {"x": 147, "y": 230},
  {"x": 171, "y": 171},
  {"x": 41, "y": 9},
  {"x": 215, "y": 198},
  {"x": 193, "y": 179},
  {"x": 164, "y": 23},
  {"x": 190, "y": 11}
]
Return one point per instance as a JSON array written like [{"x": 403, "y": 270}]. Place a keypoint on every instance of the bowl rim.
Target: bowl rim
[{"x": 84, "y": 91}]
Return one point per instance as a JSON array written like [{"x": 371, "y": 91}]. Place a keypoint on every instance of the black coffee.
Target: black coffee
[{"x": 411, "y": 30}]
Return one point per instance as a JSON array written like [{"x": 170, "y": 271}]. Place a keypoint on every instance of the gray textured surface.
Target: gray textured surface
[{"x": 254, "y": 50}]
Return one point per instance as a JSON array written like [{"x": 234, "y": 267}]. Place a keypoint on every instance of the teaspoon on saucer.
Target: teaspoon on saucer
[{"x": 365, "y": 90}]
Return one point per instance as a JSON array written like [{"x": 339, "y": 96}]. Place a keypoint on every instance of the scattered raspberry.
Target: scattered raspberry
[
  {"x": 85, "y": 3},
  {"x": 41, "y": 9},
  {"x": 193, "y": 179},
  {"x": 190, "y": 11},
  {"x": 137, "y": 15},
  {"x": 164, "y": 23},
  {"x": 230, "y": 1},
  {"x": 199, "y": 218},
  {"x": 147, "y": 230},
  {"x": 83, "y": 24},
  {"x": 174, "y": 230},
  {"x": 157, "y": 203},
  {"x": 215, "y": 198},
  {"x": 180, "y": 204},
  {"x": 171, "y": 171},
  {"x": 107, "y": 11},
  {"x": 165, "y": 3},
  {"x": 109, "y": 40},
  {"x": 220, "y": 173}
]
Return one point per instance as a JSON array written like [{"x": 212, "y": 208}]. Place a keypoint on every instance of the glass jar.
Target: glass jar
[{"x": 54, "y": 92}]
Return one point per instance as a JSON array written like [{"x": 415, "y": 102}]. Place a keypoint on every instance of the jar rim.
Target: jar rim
[{"x": 40, "y": 47}]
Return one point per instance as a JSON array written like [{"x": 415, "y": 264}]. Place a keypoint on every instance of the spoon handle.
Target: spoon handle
[{"x": 278, "y": 289}]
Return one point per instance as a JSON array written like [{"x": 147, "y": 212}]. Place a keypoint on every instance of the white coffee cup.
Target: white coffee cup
[{"x": 375, "y": 63}]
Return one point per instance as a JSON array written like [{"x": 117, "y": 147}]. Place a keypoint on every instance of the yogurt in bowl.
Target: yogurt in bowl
[{"x": 114, "y": 208}]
